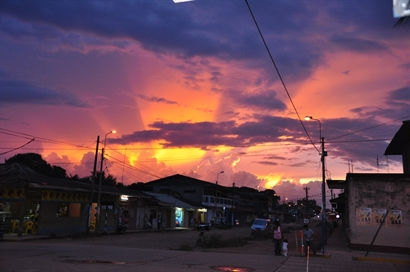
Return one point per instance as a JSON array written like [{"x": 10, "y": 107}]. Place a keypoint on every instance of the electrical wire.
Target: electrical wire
[
  {"x": 366, "y": 128},
  {"x": 359, "y": 141},
  {"x": 48, "y": 140},
  {"x": 11, "y": 134},
  {"x": 14, "y": 149},
  {"x": 118, "y": 161},
  {"x": 280, "y": 77}
]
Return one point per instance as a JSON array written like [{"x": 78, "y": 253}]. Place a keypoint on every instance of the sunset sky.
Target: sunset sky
[{"x": 191, "y": 90}]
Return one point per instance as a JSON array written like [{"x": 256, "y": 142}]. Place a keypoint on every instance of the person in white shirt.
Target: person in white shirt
[{"x": 285, "y": 247}]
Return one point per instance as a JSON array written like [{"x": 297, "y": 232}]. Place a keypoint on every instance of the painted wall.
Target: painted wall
[
  {"x": 370, "y": 197},
  {"x": 49, "y": 223}
]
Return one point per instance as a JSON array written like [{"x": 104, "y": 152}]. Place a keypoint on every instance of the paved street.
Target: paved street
[{"x": 156, "y": 252}]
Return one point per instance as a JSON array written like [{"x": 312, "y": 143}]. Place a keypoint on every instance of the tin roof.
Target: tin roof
[{"x": 170, "y": 200}]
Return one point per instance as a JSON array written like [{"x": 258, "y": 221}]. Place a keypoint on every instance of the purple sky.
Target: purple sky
[{"x": 191, "y": 90}]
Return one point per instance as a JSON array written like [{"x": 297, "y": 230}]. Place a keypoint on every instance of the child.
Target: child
[{"x": 285, "y": 247}]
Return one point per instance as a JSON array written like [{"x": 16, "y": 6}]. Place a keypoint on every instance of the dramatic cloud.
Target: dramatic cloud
[
  {"x": 157, "y": 99},
  {"x": 163, "y": 27},
  {"x": 19, "y": 92},
  {"x": 267, "y": 163},
  {"x": 358, "y": 45},
  {"x": 85, "y": 168},
  {"x": 191, "y": 88},
  {"x": 247, "y": 179},
  {"x": 265, "y": 101},
  {"x": 204, "y": 134},
  {"x": 401, "y": 95}
]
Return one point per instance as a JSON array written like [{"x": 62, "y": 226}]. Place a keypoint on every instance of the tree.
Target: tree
[
  {"x": 107, "y": 180},
  {"x": 37, "y": 163}
]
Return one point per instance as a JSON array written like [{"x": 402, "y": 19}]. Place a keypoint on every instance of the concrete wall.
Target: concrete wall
[
  {"x": 50, "y": 224},
  {"x": 369, "y": 196}
]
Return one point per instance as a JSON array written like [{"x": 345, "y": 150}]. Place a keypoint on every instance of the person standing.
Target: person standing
[
  {"x": 308, "y": 237},
  {"x": 277, "y": 237}
]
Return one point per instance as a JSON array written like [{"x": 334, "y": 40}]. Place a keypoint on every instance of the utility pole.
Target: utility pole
[
  {"x": 306, "y": 190},
  {"x": 92, "y": 184},
  {"x": 323, "y": 155},
  {"x": 99, "y": 190},
  {"x": 101, "y": 179}
]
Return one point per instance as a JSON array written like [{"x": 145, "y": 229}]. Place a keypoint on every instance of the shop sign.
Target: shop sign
[
  {"x": 64, "y": 196},
  {"x": 12, "y": 193}
]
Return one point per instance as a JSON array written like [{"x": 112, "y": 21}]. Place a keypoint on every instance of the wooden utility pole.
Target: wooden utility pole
[{"x": 307, "y": 194}]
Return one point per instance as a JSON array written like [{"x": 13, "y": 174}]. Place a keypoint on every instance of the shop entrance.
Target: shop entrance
[{"x": 179, "y": 217}]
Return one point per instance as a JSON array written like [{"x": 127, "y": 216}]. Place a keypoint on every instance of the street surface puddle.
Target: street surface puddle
[
  {"x": 231, "y": 269},
  {"x": 90, "y": 261}
]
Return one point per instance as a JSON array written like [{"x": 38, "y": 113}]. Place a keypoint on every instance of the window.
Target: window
[
  {"x": 74, "y": 210},
  {"x": 69, "y": 210},
  {"x": 62, "y": 210}
]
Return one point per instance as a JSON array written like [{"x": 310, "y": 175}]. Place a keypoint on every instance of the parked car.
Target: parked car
[{"x": 261, "y": 227}]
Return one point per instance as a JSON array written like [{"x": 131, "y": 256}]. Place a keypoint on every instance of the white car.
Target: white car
[{"x": 260, "y": 226}]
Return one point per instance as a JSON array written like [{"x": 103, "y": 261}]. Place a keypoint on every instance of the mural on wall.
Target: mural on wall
[
  {"x": 379, "y": 215},
  {"x": 364, "y": 215},
  {"x": 395, "y": 217}
]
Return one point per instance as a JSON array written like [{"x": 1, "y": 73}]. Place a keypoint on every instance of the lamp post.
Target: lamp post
[
  {"x": 101, "y": 177},
  {"x": 323, "y": 154},
  {"x": 217, "y": 175}
]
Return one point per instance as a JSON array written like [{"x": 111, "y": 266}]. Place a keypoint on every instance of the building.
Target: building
[
  {"x": 216, "y": 204},
  {"x": 377, "y": 206},
  {"x": 39, "y": 204},
  {"x": 213, "y": 202},
  {"x": 33, "y": 203}
]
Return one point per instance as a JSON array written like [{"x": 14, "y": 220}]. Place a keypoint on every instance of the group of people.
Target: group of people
[{"x": 281, "y": 243}]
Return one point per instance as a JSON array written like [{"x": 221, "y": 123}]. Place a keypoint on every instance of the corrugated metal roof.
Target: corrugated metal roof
[{"x": 173, "y": 201}]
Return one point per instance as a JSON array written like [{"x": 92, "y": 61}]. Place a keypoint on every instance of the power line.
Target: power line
[
  {"x": 15, "y": 135},
  {"x": 48, "y": 140},
  {"x": 280, "y": 77},
  {"x": 132, "y": 167},
  {"x": 366, "y": 128},
  {"x": 128, "y": 173},
  {"x": 358, "y": 141},
  {"x": 14, "y": 149}
]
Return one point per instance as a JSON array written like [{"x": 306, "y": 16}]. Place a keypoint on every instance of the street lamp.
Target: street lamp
[
  {"x": 217, "y": 175},
  {"x": 101, "y": 176},
  {"x": 323, "y": 154}
]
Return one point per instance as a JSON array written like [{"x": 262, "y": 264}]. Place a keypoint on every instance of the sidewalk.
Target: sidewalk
[
  {"x": 13, "y": 237},
  {"x": 338, "y": 257}
]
